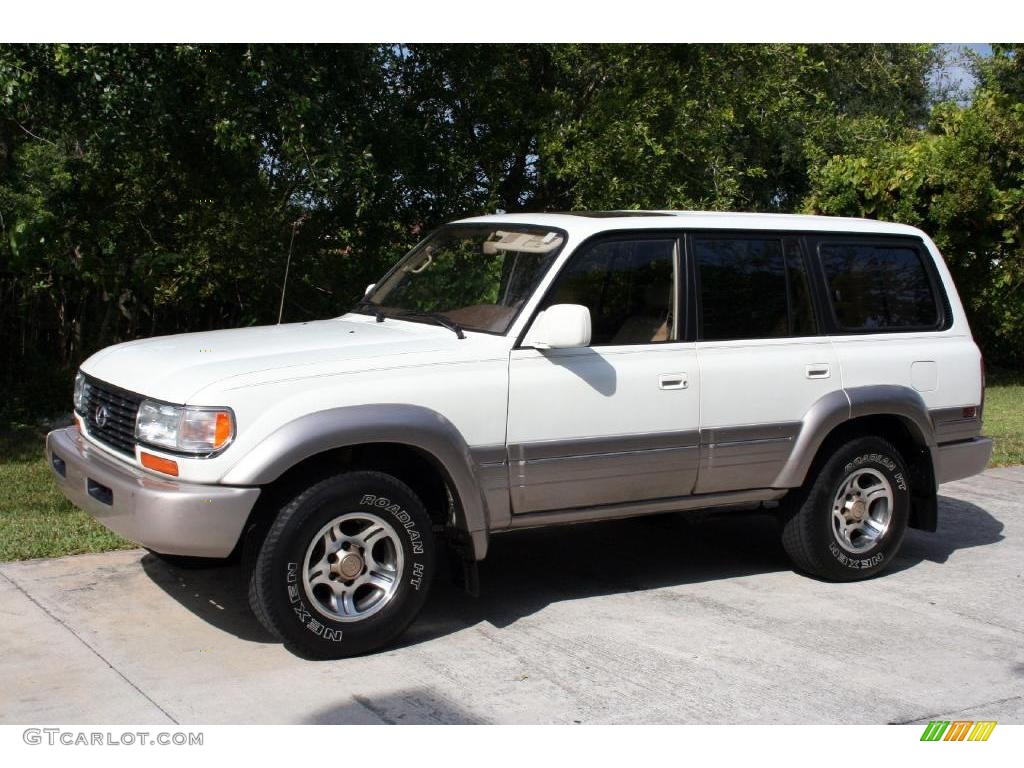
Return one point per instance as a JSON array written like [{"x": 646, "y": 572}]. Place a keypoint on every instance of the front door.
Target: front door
[{"x": 616, "y": 421}]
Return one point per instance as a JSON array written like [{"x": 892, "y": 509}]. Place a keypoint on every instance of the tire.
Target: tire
[
  {"x": 345, "y": 567},
  {"x": 848, "y": 521}
]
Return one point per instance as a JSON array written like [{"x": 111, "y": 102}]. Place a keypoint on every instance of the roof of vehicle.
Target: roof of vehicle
[{"x": 589, "y": 222}]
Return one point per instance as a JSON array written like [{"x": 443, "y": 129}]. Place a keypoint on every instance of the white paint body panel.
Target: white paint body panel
[
  {"x": 600, "y": 392},
  {"x": 889, "y": 359},
  {"x": 763, "y": 381}
]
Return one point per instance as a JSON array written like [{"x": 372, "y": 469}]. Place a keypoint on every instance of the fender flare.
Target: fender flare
[
  {"x": 409, "y": 425},
  {"x": 842, "y": 405}
]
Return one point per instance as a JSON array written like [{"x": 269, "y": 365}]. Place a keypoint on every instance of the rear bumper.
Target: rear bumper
[
  {"x": 166, "y": 516},
  {"x": 955, "y": 461}
]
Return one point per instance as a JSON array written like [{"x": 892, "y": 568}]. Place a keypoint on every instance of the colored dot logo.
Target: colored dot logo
[{"x": 958, "y": 730}]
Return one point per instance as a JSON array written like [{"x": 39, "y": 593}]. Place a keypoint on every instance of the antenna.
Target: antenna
[{"x": 287, "y": 265}]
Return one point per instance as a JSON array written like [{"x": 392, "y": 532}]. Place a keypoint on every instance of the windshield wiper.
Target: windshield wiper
[
  {"x": 373, "y": 309},
  {"x": 438, "y": 318}
]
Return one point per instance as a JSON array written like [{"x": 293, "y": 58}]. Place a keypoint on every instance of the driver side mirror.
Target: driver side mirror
[{"x": 560, "y": 326}]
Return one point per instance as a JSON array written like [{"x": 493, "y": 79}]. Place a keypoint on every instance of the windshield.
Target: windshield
[{"x": 478, "y": 277}]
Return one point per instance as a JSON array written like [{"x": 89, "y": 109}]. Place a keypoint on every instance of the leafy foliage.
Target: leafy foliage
[
  {"x": 155, "y": 189},
  {"x": 719, "y": 126}
]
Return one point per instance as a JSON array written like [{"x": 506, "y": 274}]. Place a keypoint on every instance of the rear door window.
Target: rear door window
[{"x": 752, "y": 288}]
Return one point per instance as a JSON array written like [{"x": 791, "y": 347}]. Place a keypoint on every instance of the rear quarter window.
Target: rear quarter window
[{"x": 879, "y": 287}]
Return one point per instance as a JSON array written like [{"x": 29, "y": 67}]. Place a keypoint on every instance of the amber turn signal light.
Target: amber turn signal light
[
  {"x": 222, "y": 430},
  {"x": 149, "y": 461}
]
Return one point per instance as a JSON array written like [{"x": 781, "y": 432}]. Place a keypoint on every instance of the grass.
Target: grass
[
  {"x": 1004, "y": 417},
  {"x": 37, "y": 521}
]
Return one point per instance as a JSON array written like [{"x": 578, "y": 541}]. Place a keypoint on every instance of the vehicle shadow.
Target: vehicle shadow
[
  {"x": 528, "y": 570},
  {"x": 418, "y": 705},
  {"x": 588, "y": 364},
  {"x": 218, "y": 594},
  {"x": 961, "y": 525}
]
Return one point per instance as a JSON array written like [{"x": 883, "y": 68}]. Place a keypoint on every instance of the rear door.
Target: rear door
[
  {"x": 763, "y": 359},
  {"x": 616, "y": 421}
]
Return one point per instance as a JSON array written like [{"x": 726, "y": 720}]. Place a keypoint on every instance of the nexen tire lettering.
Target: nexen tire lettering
[
  {"x": 305, "y": 616},
  {"x": 853, "y": 562},
  {"x": 402, "y": 517}
]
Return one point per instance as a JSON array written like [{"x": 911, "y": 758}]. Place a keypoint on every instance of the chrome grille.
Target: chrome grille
[{"x": 115, "y": 426}]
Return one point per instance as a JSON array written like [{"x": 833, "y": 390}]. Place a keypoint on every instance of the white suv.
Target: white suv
[{"x": 518, "y": 371}]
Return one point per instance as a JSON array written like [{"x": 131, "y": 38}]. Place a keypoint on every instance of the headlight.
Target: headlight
[
  {"x": 189, "y": 429},
  {"x": 79, "y": 397}
]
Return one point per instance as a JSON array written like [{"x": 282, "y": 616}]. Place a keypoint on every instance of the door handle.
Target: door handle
[
  {"x": 818, "y": 371},
  {"x": 672, "y": 381}
]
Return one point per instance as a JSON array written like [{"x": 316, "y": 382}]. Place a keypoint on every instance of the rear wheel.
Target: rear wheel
[
  {"x": 848, "y": 522},
  {"x": 345, "y": 567}
]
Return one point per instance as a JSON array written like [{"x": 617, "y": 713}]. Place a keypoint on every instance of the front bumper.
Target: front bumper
[
  {"x": 167, "y": 516},
  {"x": 955, "y": 461}
]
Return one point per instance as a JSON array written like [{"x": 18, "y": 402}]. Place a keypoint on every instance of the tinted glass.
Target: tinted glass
[
  {"x": 742, "y": 288},
  {"x": 478, "y": 277},
  {"x": 878, "y": 286},
  {"x": 628, "y": 287}
]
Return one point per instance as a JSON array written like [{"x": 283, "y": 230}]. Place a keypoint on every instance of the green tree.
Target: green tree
[{"x": 719, "y": 126}]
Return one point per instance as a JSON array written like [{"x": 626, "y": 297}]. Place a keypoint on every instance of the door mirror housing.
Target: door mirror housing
[
  {"x": 560, "y": 326},
  {"x": 369, "y": 288}
]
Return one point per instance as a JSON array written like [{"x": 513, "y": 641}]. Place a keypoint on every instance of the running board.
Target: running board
[{"x": 615, "y": 511}]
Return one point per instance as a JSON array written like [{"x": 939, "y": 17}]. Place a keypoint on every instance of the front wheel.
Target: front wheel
[
  {"x": 345, "y": 567},
  {"x": 848, "y": 522}
]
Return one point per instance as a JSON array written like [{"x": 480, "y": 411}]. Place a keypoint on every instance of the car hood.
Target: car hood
[{"x": 174, "y": 368}]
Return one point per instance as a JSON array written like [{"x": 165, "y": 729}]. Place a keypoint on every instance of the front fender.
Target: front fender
[{"x": 404, "y": 424}]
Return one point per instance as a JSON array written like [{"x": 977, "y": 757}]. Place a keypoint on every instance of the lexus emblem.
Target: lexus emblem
[{"x": 101, "y": 416}]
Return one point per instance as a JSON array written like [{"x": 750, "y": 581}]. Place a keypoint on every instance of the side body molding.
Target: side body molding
[
  {"x": 409, "y": 425},
  {"x": 839, "y": 406}
]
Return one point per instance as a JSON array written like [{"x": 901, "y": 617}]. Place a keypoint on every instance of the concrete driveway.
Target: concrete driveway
[{"x": 646, "y": 620}]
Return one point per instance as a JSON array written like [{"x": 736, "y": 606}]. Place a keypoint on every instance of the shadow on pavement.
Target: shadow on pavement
[
  {"x": 424, "y": 705},
  {"x": 962, "y": 525},
  {"x": 528, "y": 570},
  {"x": 218, "y": 594}
]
